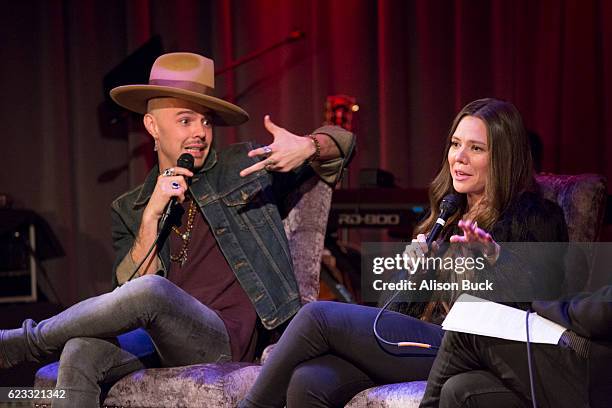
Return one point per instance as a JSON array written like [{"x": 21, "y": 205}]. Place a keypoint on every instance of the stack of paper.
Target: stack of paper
[{"x": 473, "y": 315}]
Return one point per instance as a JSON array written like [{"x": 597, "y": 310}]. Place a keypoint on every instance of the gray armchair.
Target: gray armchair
[{"x": 223, "y": 385}]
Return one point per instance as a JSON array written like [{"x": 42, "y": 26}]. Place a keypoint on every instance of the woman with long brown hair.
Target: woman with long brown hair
[
  {"x": 329, "y": 352},
  {"x": 498, "y": 151}
]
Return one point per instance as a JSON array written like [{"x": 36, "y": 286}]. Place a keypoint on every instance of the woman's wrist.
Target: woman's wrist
[{"x": 491, "y": 253}]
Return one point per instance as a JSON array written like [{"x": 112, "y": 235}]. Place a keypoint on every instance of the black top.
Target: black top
[
  {"x": 531, "y": 218},
  {"x": 523, "y": 272}
]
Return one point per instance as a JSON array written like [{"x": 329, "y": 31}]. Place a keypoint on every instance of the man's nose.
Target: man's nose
[{"x": 201, "y": 131}]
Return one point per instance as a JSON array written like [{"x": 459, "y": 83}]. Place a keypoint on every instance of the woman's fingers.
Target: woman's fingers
[
  {"x": 472, "y": 234},
  {"x": 458, "y": 238}
]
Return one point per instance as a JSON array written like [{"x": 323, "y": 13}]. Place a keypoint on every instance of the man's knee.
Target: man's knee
[
  {"x": 82, "y": 362},
  {"x": 149, "y": 289},
  {"x": 80, "y": 351},
  {"x": 453, "y": 393},
  {"x": 477, "y": 389}
]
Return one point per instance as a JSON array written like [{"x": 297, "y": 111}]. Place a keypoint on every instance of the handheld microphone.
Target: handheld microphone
[
  {"x": 185, "y": 161},
  {"x": 449, "y": 205}
]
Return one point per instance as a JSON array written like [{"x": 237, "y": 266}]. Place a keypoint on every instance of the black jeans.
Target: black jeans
[
  {"x": 478, "y": 371},
  {"x": 329, "y": 353}
]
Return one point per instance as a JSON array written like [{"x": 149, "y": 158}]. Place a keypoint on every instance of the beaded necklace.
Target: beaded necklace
[{"x": 185, "y": 236}]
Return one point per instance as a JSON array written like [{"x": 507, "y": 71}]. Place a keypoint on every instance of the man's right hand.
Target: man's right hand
[
  {"x": 167, "y": 186},
  {"x": 171, "y": 183}
]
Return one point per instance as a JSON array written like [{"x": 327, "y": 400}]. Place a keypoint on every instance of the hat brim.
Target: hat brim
[{"x": 135, "y": 98}]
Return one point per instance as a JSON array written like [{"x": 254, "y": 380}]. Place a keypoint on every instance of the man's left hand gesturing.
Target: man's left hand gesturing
[{"x": 286, "y": 152}]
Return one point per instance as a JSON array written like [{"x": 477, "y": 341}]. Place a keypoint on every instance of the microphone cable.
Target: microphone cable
[
  {"x": 448, "y": 206},
  {"x": 185, "y": 161},
  {"x": 153, "y": 245},
  {"x": 531, "y": 382},
  {"x": 400, "y": 343}
]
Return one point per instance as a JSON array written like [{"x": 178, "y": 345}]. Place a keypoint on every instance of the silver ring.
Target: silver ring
[
  {"x": 175, "y": 185},
  {"x": 267, "y": 149},
  {"x": 270, "y": 164},
  {"x": 168, "y": 172}
]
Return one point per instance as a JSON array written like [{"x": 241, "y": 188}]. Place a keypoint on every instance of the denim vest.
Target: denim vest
[{"x": 244, "y": 215}]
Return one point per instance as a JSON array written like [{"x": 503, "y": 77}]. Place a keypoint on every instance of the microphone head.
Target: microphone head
[
  {"x": 185, "y": 161},
  {"x": 449, "y": 205}
]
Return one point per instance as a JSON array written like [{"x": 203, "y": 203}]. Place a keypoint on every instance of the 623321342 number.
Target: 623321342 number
[{"x": 8, "y": 394}]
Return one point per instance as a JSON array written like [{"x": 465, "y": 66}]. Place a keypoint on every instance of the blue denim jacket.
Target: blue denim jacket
[{"x": 244, "y": 215}]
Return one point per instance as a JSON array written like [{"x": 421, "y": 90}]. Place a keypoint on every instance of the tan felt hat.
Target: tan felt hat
[{"x": 185, "y": 76}]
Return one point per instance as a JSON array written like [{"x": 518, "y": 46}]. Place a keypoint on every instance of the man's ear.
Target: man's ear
[{"x": 150, "y": 124}]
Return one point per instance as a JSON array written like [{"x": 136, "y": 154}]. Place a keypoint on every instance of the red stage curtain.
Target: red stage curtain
[{"x": 411, "y": 64}]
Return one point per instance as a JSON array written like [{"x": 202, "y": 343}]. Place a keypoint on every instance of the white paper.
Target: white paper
[{"x": 473, "y": 315}]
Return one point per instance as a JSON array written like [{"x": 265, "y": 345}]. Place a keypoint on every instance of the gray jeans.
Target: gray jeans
[{"x": 183, "y": 331}]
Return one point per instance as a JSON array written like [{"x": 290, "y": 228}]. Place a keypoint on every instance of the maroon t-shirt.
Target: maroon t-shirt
[{"x": 207, "y": 276}]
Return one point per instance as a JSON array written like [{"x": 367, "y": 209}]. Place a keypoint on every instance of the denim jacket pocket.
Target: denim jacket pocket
[{"x": 247, "y": 205}]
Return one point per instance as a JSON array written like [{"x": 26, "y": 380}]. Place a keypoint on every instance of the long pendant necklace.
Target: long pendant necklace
[{"x": 185, "y": 236}]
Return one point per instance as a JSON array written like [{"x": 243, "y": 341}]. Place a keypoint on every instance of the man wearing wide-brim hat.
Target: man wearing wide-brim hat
[{"x": 197, "y": 274}]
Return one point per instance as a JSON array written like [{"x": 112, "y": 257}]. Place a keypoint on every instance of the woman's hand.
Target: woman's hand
[
  {"x": 478, "y": 239},
  {"x": 417, "y": 249}
]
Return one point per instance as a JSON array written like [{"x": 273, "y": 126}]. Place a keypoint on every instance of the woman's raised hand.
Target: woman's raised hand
[{"x": 477, "y": 238}]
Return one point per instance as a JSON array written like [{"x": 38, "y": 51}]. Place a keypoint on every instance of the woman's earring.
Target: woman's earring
[{"x": 155, "y": 146}]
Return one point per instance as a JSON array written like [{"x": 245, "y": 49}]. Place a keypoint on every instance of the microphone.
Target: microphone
[
  {"x": 185, "y": 161},
  {"x": 449, "y": 205}
]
